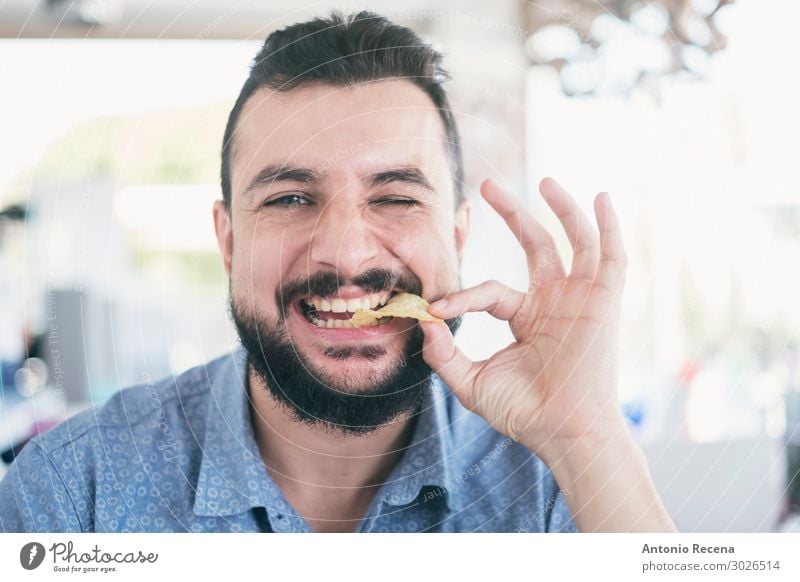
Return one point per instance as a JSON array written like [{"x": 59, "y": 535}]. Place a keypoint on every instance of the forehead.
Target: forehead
[{"x": 346, "y": 128}]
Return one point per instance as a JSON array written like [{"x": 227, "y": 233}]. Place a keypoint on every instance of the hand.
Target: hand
[{"x": 556, "y": 385}]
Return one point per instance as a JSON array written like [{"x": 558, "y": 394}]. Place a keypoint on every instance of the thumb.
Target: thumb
[{"x": 440, "y": 352}]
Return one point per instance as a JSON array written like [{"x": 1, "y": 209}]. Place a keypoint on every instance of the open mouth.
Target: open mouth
[{"x": 336, "y": 312}]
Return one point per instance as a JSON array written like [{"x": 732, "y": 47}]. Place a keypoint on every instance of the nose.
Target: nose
[{"x": 343, "y": 241}]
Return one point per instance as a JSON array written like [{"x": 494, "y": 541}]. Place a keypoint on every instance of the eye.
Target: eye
[
  {"x": 396, "y": 202},
  {"x": 288, "y": 200}
]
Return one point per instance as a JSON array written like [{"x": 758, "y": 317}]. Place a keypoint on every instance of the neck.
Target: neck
[{"x": 298, "y": 455}]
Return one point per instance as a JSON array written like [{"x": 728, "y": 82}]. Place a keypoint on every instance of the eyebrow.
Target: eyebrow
[
  {"x": 272, "y": 174},
  {"x": 282, "y": 173},
  {"x": 408, "y": 175}
]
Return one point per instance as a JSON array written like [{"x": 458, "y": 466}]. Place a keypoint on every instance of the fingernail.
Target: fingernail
[{"x": 439, "y": 305}]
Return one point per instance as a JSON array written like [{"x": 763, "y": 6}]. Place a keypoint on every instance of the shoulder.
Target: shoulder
[
  {"x": 138, "y": 409},
  {"x": 151, "y": 429},
  {"x": 33, "y": 497}
]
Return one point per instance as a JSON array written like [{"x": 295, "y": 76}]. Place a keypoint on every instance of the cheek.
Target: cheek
[
  {"x": 428, "y": 253},
  {"x": 262, "y": 258}
]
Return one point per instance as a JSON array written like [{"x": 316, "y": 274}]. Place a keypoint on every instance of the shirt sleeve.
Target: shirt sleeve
[{"x": 33, "y": 497}]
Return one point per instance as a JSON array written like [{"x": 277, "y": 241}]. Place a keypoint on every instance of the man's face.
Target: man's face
[{"x": 340, "y": 197}]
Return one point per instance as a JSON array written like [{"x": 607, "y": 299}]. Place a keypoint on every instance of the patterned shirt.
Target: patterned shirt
[{"x": 181, "y": 455}]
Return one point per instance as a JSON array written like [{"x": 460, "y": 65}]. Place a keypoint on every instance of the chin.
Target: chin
[{"x": 355, "y": 368}]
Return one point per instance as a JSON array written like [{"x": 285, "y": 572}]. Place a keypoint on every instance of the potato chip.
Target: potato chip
[{"x": 401, "y": 305}]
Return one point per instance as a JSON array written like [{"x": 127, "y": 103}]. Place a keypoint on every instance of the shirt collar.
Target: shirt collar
[{"x": 232, "y": 478}]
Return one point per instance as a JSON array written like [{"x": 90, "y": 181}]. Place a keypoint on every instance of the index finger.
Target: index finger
[{"x": 544, "y": 264}]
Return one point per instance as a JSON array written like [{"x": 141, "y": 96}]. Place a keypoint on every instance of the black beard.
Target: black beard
[{"x": 320, "y": 401}]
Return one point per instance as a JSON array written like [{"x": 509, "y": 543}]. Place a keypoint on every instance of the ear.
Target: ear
[
  {"x": 223, "y": 227},
  {"x": 462, "y": 226}
]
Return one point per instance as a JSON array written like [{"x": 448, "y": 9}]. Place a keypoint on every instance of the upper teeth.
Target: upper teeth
[{"x": 339, "y": 305}]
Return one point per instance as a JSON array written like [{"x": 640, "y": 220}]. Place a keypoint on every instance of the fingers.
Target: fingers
[
  {"x": 602, "y": 259},
  {"x": 441, "y": 354},
  {"x": 490, "y": 296},
  {"x": 543, "y": 261},
  {"x": 580, "y": 232},
  {"x": 613, "y": 260}
]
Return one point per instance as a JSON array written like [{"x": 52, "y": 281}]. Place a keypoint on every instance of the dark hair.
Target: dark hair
[{"x": 346, "y": 50}]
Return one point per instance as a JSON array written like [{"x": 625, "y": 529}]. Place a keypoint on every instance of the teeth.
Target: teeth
[
  {"x": 341, "y": 323},
  {"x": 334, "y": 323},
  {"x": 339, "y": 305}
]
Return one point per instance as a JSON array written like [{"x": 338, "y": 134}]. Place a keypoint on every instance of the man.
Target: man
[{"x": 342, "y": 186}]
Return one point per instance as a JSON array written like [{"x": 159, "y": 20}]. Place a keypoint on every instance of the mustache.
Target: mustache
[{"x": 326, "y": 283}]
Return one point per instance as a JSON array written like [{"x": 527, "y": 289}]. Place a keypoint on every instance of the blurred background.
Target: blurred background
[{"x": 111, "y": 121}]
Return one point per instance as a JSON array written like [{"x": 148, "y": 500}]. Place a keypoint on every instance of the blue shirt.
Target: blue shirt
[{"x": 181, "y": 455}]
